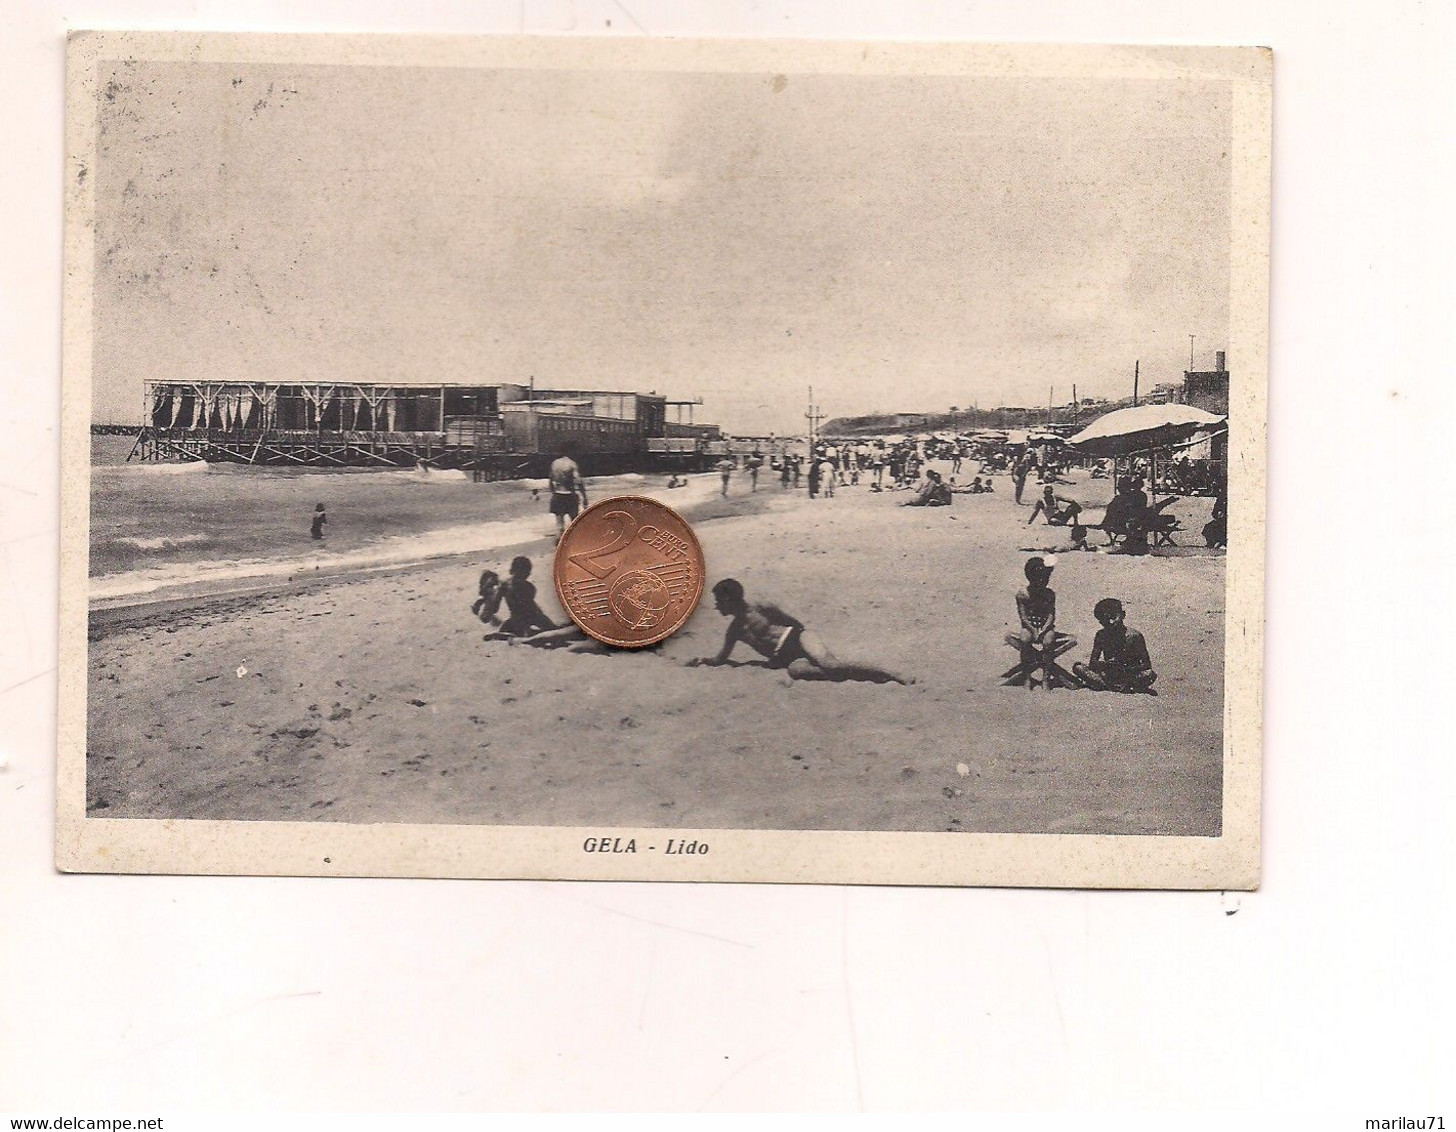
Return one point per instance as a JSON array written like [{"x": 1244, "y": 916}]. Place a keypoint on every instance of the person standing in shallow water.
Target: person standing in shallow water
[
  {"x": 319, "y": 519},
  {"x": 568, "y": 492}
]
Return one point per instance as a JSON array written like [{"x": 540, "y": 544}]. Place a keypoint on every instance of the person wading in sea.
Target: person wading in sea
[{"x": 568, "y": 492}]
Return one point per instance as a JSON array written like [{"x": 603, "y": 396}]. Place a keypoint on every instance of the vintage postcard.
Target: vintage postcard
[{"x": 952, "y": 357}]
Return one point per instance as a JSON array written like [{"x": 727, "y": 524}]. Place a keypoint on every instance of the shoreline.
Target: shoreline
[{"x": 143, "y": 609}]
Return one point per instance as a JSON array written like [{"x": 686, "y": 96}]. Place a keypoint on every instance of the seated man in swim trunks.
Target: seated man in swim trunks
[
  {"x": 1119, "y": 661},
  {"x": 1215, "y": 531},
  {"x": 1059, "y": 512},
  {"x": 784, "y": 640},
  {"x": 932, "y": 494},
  {"x": 1125, "y": 517}
]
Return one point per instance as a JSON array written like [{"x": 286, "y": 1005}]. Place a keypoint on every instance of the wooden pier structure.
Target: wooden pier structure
[{"x": 496, "y": 431}]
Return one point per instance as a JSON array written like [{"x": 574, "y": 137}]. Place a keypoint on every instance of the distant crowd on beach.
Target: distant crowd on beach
[{"x": 1132, "y": 522}]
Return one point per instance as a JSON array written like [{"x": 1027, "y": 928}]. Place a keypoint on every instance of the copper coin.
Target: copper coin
[{"x": 629, "y": 571}]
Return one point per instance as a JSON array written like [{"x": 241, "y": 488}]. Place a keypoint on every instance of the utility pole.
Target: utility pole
[
  {"x": 813, "y": 416},
  {"x": 1190, "y": 353},
  {"x": 1134, "y": 383}
]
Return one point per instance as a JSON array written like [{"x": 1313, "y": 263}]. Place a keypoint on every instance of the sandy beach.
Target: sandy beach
[{"x": 374, "y": 699}]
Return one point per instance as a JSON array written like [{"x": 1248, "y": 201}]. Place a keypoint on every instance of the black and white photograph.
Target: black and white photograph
[{"x": 953, "y": 361}]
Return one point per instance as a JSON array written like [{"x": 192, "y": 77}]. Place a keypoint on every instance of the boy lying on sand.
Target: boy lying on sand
[
  {"x": 784, "y": 641},
  {"x": 1079, "y": 542}
]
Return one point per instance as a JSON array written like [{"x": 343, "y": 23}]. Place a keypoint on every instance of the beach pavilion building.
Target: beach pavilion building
[{"x": 495, "y": 430}]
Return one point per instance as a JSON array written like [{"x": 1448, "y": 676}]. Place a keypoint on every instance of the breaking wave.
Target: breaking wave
[
  {"x": 223, "y": 576},
  {"x": 190, "y": 468},
  {"x": 163, "y": 542}
]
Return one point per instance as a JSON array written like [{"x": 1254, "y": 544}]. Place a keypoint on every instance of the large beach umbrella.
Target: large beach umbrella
[{"x": 1143, "y": 428}]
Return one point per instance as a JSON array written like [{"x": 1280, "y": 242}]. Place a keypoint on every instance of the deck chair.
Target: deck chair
[
  {"x": 1164, "y": 529},
  {"x": 1161, "y": 525},
  {"x": 1023, "y": 674},
  {"x": 1116, "y": 531}
]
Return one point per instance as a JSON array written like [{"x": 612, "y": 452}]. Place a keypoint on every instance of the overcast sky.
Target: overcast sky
[{"x": 898, "y": 243}]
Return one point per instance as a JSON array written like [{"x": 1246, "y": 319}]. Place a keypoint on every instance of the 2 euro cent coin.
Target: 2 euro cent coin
[{"x": 629, "y": 571}]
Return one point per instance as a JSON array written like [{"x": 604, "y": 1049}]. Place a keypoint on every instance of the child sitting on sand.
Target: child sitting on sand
[
  {"x": 519, "y": 595},
  {"x": 784, "y": 641},
  {"x": 1119, "y": 661},
  {"x": 489, "y": 600},
  {"x": 491, "y": 595}
]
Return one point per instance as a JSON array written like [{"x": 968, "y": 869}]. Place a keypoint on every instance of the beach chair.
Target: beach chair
[
  {"x": 1161, "y": 525},
  {"x": 1023, "y": 674},
  {"x": 1163, "y": 528}
]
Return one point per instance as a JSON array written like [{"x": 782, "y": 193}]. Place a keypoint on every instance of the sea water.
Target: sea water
[{"x": 160, "y": 529}]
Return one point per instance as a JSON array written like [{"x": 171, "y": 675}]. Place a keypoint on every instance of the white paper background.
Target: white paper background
[{"x": 1330, "y": 989}]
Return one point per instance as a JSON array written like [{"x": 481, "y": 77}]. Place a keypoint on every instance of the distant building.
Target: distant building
[
  {"x": 648, "y": 410},
  {"x": 1208, "y": 389}
]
